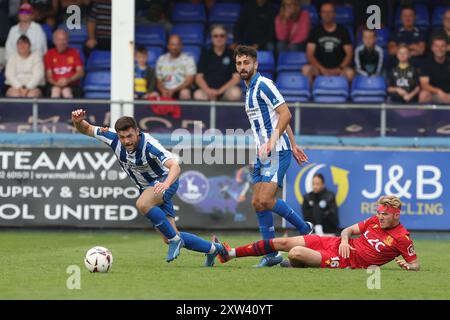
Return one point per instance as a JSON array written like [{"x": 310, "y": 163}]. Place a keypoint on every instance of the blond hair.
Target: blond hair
[{"x": 390, "y": 201}]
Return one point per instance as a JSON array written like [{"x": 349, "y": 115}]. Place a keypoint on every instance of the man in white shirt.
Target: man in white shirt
[
  {"x": 28, "y": 27},
  {"x": 175, "y": 71}
]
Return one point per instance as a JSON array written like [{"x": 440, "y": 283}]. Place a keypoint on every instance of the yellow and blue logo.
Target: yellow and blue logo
[{"x": 339, "y": 177}]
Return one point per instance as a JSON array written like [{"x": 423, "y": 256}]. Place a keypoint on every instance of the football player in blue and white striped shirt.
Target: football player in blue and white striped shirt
[
  {"x": 155, "y": 172},
  {"x": 269, "y": 118}
]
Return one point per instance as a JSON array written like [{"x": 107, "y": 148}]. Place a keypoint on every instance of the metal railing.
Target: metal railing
[{"x": 212, "y": 105}]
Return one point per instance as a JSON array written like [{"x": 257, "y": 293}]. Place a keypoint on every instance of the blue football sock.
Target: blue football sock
[
  {"x": 159, "y": 220},
  {"x": 290, "y": 215},
  {"x": 266, "y": 227},
  {"x": 195, "y": 243}
]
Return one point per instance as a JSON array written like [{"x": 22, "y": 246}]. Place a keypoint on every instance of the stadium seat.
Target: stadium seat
[
  {"x": 97, "y": 95},
  {"x": 438, "y": 15},
  {"x": 291, "y": 61},
  {"x": 79, "y": 47},
  {"x": 153, "y": 55},
  {"x": 313, "y": 15},
  {"x": 344, "y": 15},
  {"x": 191, "y": 34},
  {"x": 266, "y": 61},
  {"x": 150, "y": 36},
  {"x": 97, "y": 84},
  {"x": 76, "y": 36},
  {"x": 99, "y": 60},
  {"x": 293, "y": 86},
  {"x": 189, "y": 13},
  {"x": 330, "y": 89},
  {"x": 368, "y": 89},
  {"x": 193, "y": 51},
  {"x": 48, "y": 32},
  {"x": 350, "y": 33},
  {"x": 382, "y": 37},
  {"x": 227, "y": 13},
  {"x": 422, "y": 17}
]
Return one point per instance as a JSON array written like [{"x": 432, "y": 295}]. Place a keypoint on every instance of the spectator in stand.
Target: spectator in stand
[
  {"x": 144, "y": 76},
  {"x": 292, "y": 26},
  {"x": 444, "y": 31},
  {"x": 28, "y": 27},
  {"x": 99, "y": 26},
  {"x": 320, "y": 208},
  {"x": 45, "y": 11},
  {"x": 154, "y": 12},
  {"x": 175, "y": 71},
  {"x": 217, "y": 77},
  {"x": 255, "y": 25},
  {"x": 403, "y": 79},
  {"x": 24, "y": 71},
  {"x": 435, "y": 74},
  {"x": 410, "y": 35},
  {"x": 64, "y": 67},
  {"x": 329, "y": 49},
  {"x": 369, "y": 56}
]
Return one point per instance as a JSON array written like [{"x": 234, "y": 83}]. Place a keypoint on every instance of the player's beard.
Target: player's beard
[{"x": 247, "y": 75}]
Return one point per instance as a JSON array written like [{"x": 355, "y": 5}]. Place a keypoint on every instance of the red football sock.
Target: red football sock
[{"x": 258, "y": 248}]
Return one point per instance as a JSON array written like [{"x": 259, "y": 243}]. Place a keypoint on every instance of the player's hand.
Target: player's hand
[
  {"x": 241, "y": 198},
  {"x": 78, "y": 115},
  {"x": 402, "y": 263},
  {"x": 264, "y": 151},
  {"x": 299, "y": 155},
  {"x": 443, "y": 96},
  {"x": 160, "y": 187},
  {"x": 344, "y": 250},
  {"x": 91, "y": 43}
]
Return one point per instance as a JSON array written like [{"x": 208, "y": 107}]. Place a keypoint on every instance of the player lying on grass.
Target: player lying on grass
[
  {"x": 382, "y": 239},
  {"x": 155, "y": 172}
]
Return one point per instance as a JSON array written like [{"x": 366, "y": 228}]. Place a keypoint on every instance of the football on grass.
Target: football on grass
[{"x": 98, "y": 259}]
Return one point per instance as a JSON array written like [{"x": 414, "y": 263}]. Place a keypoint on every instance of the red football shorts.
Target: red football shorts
[{"x": 328, "y": 247}]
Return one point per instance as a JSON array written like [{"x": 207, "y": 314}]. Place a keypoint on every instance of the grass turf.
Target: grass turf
[{"x": 33, "y": 266}]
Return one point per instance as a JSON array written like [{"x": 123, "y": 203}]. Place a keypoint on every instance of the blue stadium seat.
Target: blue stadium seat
[
  {"x": 344, "y": 15},
  {"x": 99, "y": 60},
  {"x": 153, "y": 55},
  {"x": 368, "y": 89},
  {"x": 79, "y": 47},
  {"x": 227, "y": 13},
  {"x": 382, "y": 37},
  {"x": 313, "y": 15},
  {"x": 76, "y": 36},
  {"x": 193, "y": 51},
  {"x": 291, "y": 61},
  {"x": 150, "y": 36},
  {"x": 188, "y": 12},
  {"x": 350, "y": 33},
  {"x": 293, "y": 86},
  {"x": 330, "y": 89},
  {"x": 422, "y": 17},
  {"x": 438, "y": 15},
  {"x": 191, "y": 34},
  {"x": 266, "y": 61},
  {"x": 97, "y": 84},
  {"x": 97, "y": 95},
  {"x": 48, "y": 32}
]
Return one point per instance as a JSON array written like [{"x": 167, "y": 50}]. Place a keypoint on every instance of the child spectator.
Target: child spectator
[
  {"x": 144, "y": 76},
  {"x": 369, "y": 56},
  {"x": 403, "y": 79}
]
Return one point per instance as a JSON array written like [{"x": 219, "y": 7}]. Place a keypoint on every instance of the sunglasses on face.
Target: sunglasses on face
[{"x": 222, "y": 35}]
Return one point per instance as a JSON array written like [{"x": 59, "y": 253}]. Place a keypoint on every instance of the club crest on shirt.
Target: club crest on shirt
[
  {"x": 388, "y": 241},
  {"x": 411, "y": 250}
]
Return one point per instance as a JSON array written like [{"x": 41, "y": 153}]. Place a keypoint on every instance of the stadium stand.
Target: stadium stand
[
  {"x": 99, "y": 60},
  {"x": 266, "y": 62},
  {"x": 191, "y": 34},
  {"x": 224, "y": 13},
  {"x": 368, "y": 89},
  {"x": 422, "y": 17},
  {"x": 314, "y": 16},
  {"x": 189, "y": 13},
  {"x": 329, "y": 89},
  {"x": 437, "y": 16},
  {"x": 193, "y": 51},
  {"x": 150, "y": 36},
  {"x": 291, "y": 61},
  {"x": 293, "y": 86},
  {"x": 97, "y": 85}
]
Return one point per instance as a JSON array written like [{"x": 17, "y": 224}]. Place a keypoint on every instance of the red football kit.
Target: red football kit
[
  {"x": 63, "y": 65},
  {"x": 375, "y": 246}
]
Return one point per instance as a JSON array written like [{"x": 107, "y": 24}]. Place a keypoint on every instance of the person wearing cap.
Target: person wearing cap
[
  {"x": 28, "y": 27},
  {"x": 381, "y": 239}
]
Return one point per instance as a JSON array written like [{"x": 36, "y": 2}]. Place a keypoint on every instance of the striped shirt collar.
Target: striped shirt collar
[{"x": 254, "y": 79}]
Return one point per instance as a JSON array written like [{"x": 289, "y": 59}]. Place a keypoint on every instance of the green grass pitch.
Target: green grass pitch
[{"x": 33, "y": 265}]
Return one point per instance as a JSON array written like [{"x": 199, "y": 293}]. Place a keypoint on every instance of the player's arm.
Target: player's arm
[
  {"x": 344, "y": 247},
  {"x": 174, "y": 173},
  {"x": 80, "y": 123},
  {"x": 299, "y": 154},
  {"x": 410, "y": 266},
  {"x": 283, "y": 122}
]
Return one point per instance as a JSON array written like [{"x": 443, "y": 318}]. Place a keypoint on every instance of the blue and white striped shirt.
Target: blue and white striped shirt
[
  {"x": 146, "y": 164},
  {"x": 261, "y": 100}
]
